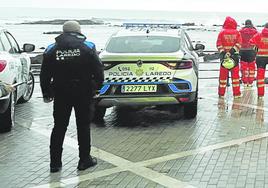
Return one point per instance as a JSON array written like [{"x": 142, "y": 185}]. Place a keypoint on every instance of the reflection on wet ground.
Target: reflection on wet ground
[
  {"x": 260, "y": 112},
  {"x": 246, "y": 107},
  {"x": 144, "y": 117},
  {"x": 224, "y": 146}
]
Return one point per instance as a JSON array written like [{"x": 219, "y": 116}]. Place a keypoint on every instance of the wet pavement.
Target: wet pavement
[{"x": 224, "y": 146}]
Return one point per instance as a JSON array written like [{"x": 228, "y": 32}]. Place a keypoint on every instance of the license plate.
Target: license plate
[{"x": 138, "y": 88}]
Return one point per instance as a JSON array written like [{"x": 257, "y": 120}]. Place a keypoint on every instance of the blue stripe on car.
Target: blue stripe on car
[
  {"x": 104, "y": 89},
  {"x": 174, "y": 89}
]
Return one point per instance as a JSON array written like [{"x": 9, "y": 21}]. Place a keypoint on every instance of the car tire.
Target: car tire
[
  {"x": 125, "y": 113},
  {"x": 7, "y": 118},
  {"x": 29, "y": 89},
  {"x": 99, "y": 114},
  {"x": 190, "y": 110}
]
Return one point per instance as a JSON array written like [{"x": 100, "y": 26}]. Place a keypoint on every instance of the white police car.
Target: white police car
[
  {"x": 14, "y": 69},
  {"x": 150, "y": 65}
]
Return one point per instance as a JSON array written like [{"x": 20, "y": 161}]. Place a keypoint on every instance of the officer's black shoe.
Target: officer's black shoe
[
  {"x": 98, "y": 121},
  {"x": 85, "y": 164},
  {"x": 5, "y": 129},
  {"x": 55, "y": 169}
]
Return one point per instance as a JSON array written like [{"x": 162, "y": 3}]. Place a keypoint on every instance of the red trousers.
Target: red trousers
[
  {"x": 248, "y": 71},
  {"x": 260, "y": 81},
  {"x": 223, "y": 81}
]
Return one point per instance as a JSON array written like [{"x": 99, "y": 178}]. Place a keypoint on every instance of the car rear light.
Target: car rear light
[
  {"x": 3, "y": 64},
  {"x": 171, "y": 65},
  {"x": 187, "y": 64},
  {"x": 108, "y": 65},
  {"x": 183, "y": 64},
  {"x": 183, "y": 99}
]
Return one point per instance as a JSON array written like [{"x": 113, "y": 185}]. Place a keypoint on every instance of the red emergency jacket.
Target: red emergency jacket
[
  {"x": 247, "y": 33},
  {"x": 260, "y": 40},
  {"x": 229, "y": 37}
]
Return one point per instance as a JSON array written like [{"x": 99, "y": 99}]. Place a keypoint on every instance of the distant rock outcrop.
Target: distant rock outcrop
[
  {"x": 62, "y": 21},
  {"x": 53, "y": 32},
  {"x": 188, "y": 24}
]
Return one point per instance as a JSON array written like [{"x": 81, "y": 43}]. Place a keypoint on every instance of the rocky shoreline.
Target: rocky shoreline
[
  {"x": 186, "y": 26},
  {"x": 100, "y": 21},
  {"x": 97, "y": 21}
]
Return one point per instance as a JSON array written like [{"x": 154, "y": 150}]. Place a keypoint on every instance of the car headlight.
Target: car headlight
[{"x": 3, "y": 64}]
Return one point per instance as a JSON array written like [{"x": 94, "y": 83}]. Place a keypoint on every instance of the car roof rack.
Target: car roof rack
[{"x": 152, "y": 25}]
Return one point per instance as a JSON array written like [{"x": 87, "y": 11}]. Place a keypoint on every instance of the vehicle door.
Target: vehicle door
[
  {"x": 190, "y": 53},
  {"x": 10, "y": 73},
  {"x": 21, "y": 63},
  {"x": 189, "y": 45}
]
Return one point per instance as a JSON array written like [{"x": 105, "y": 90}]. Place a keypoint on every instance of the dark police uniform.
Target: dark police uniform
[{"x": 71, "y": 72}]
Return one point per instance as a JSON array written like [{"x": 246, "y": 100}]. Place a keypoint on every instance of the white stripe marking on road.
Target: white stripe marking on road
[
  {"x": 139, "y": 167},
  {"x": 124, "y": 164}
]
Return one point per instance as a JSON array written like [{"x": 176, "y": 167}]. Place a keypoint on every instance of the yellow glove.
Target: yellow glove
[
  {"x": 9, "y": 88},
  {"x": 5, "y": 89}
]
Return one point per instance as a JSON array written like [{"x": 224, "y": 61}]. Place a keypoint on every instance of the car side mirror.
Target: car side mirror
[
  {"x": 199, "y": 47},
  {"x": 98, "y": 52},
  {"x": 28, "y": 47}
]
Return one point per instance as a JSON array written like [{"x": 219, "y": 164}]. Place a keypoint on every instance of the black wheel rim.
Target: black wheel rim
[{"x": 29, "y": 88}]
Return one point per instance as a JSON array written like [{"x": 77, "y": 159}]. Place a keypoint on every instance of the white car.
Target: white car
[
  {"x": 15, "y": 67},
  {"x": 150, "y": 65}
]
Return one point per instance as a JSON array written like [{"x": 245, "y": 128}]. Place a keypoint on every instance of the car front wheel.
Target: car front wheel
[
  {"x": 28, "y": 90},
  {"x": 7, "y": 118}
]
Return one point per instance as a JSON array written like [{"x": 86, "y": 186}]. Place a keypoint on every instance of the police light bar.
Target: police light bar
[{"x": 152, "y": 25}]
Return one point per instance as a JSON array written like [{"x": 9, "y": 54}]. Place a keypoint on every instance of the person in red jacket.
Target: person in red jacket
[
  {"x": 260, "y": 42},
  {"x": 229, "y": 43},
  {"x": 247, "y": 54}
]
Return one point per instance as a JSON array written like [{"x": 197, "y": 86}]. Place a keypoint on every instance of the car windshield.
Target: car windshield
[{"x": 143, "y": 44}]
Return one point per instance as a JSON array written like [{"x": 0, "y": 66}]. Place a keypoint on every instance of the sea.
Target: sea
[{"x": 205, "y": 31}]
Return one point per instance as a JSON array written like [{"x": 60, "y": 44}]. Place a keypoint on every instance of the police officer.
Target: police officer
[
  {"x": 70, "y": 74},
  {"x": 260, "y": 42},
  {"x": 247, "y": 53},
  {"x": 228, "y": 43}
]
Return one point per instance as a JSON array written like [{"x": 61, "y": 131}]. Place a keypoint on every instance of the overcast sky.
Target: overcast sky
[{"x": 187, "y": 5}]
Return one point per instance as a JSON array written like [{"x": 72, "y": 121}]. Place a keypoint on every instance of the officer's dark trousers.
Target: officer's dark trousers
[{"x": 83, "y": 108}]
